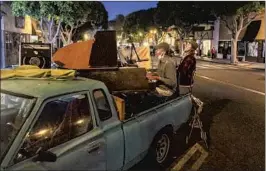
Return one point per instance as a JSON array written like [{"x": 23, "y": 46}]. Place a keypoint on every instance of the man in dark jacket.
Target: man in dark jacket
[{"x": 166, "y": 71}]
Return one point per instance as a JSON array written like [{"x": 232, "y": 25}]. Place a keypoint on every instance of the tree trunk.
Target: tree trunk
[
  {"x": 69, "y": 41},
  {"x": 234, "y": 59}
]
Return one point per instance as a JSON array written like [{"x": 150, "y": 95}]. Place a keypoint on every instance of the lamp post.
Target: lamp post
[{"x": 154, "y": 32}]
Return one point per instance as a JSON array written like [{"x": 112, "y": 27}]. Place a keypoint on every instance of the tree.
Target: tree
[
  {"x": 117, "y": 24},
  {"x": 97, "y": 17},
  {"x": 236, "y": 16},
  {"x": 65, "y": 15},
  {"x": 79, "y": 13},
  {"x": 139, "y": 20},
  {"x": 46, "y": 12},
  {"x": 183, "y": 15}
]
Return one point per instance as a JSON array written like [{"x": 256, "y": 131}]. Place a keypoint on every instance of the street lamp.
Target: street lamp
[
  {"x": 140, "y": 34},
  {"x": 86, "y": 36},
  {"x": 154, "y": 32}
]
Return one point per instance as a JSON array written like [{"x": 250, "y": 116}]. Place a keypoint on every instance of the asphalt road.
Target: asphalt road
[{"x": 233, "y": 117}]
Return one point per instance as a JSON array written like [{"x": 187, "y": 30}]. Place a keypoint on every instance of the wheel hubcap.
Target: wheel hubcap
[{"x": 162, "y": 148}]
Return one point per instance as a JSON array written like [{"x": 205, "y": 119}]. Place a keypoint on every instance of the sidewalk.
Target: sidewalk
[{"x": 246, "y": 64}]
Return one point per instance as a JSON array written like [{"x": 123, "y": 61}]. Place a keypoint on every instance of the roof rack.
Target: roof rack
[{"x": 34, "y": 72}]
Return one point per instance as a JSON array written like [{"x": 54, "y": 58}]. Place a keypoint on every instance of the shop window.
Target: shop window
[
  {"x": 20, "y": 22},
  {"x": 224, "y": 46},
  {"x": 241, "y": 48},
  {"x": 252, "y": 49},
  {"x": 220, "y": 47}
]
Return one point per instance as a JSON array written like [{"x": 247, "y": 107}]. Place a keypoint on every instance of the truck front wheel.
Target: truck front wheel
[{"x": 161, "y": 148}]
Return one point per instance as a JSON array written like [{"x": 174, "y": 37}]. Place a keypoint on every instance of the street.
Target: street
[
  {"x": 233, "y": 117},
  {"x": 82, "y": 89}
]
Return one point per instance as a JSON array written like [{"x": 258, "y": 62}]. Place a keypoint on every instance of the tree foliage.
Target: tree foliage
[
  {"x": 182, "y": 14},
  {"x": 96, "y": 17},
  {"x": 118, "y": 24},
  {"x": 237, "y": 14},
  {"x": 65, "y": 15},
  {"x": 140, "y": 20},
  {"x": 90, "y": 14}
]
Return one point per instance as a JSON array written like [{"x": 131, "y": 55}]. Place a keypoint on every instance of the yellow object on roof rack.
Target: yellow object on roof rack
[{"x": 29, "y": 71}]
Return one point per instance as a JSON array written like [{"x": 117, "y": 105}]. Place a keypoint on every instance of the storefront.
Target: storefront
[
  {"x": 255, "y": 41},
  {"x": 250, "y": 45},
  {"x": 204, "y": 39},
  {"x": 224, "y": 48},
  {"x": 255, "y": 51},
  {"x": 14, "y": 30},
  {"x": 241, "y": 49}
]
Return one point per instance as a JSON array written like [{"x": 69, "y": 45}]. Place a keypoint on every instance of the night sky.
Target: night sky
[{"x": 125, "y": 7}]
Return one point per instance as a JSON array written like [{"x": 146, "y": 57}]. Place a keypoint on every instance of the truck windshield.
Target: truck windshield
[{"x": 14, "y": 111}]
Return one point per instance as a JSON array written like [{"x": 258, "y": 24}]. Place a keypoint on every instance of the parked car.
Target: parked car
[{"x": 77, "y": 124}]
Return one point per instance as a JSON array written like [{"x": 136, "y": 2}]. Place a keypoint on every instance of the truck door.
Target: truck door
[
  {"x": 66, "y": 127},
  {"x": 112, "y": 127}
]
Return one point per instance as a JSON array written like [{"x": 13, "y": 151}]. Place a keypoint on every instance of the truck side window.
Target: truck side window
[
  {"x": 60, "y": 121},
  {"x": 102, "y": 105}
]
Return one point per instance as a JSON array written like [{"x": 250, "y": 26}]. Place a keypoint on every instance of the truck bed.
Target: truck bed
[
  {"x": 140, "y": 130},
  {"x": 137, "y": 102}
]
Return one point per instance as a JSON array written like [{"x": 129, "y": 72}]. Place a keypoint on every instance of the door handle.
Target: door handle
[{"x": 94, "y": 148}]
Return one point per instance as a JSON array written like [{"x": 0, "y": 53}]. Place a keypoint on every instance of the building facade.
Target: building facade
[
  {"x": 14, "y": 30},
  {"x": 251, "y": 41},
  {"x": 203, "y": 34}
]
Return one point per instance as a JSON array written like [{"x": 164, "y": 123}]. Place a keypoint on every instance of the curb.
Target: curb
[
  {"x": 214, "y": 61},
  {"x": 262, "y": 69}
]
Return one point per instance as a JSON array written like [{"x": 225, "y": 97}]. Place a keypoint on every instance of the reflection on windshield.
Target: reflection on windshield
[{"x": 14, "y": 111}]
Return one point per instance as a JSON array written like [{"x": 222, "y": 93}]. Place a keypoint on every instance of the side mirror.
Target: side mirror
[{"x": 45, "y": 156}]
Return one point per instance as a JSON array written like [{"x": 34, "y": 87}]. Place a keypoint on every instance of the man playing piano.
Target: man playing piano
[{"x": 166, "y": 81}]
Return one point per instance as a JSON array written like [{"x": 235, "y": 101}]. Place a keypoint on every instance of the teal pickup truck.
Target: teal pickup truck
[{"x": 77, "y": 124}]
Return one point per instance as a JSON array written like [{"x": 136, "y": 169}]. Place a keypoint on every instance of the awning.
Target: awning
[
  {"x": 261, "y": 33},
  {"x": 35, "y": 29},
  {"x": 252, "y": 31}
]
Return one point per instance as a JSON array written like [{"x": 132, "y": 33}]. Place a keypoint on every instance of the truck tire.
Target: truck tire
[{"x": 160, "y": 151}]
